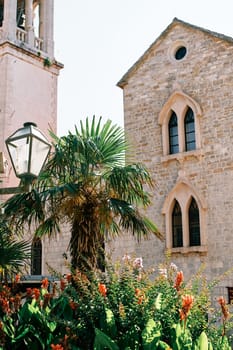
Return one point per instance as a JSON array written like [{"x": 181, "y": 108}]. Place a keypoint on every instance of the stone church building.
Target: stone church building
[
  {"x": 178, "y": 112},
  {"x": 178, "y": 115}
]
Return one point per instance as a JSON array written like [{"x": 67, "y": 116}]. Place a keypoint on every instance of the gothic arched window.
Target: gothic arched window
[
  {"x": 194, "y": 224},
  {"x": 180, "y": 121},
  {"x": 173, "y": 134},
  {"x": 36, "y": 256},
  {"x": 177, "y": 232},
  {"x": 189, "y": 127}
]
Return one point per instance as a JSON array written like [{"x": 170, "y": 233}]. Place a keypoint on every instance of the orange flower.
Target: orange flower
[
  {"x": 139, "y": 295},
  {"x": 103, "y": 289},
  {"x": 179, "y": 280},
  {"x": 17, "y": 278},
  {"x": 57, "y": 347},
  {"x": 36, "y": 293},
  {"x": 187, "y": 302},
  {"x": 224, "y": 307},
  {"x": 45, "y": 283},
  {"x": 140, "y": 299}
]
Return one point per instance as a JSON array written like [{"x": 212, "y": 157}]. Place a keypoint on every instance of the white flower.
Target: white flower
[
  {"x": 126, "y": 258},
  {"x": 138, "y": 263},
  {"x": 163, "y": 272},
  {"x": 174, "y": 267}
]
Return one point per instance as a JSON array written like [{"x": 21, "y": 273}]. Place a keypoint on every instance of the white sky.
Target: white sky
[{"x": 98, "y": 41}]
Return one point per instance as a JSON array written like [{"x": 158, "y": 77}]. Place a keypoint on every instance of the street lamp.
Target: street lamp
[{"x": 28, "y": 149}]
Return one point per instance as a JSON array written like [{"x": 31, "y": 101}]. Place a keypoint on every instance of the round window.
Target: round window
[{"x": 180, "y": 53}]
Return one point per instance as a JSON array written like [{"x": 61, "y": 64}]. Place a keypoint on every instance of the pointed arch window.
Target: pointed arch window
[
  {"x": 36, "y": 256},
  {"x": 180, "y": 121},
  {"x": 194, "y": 224},
  {"x": 189, "y": 127},
  {"x": 173, "y": 134},
  {"x": 177, "y": 232}
]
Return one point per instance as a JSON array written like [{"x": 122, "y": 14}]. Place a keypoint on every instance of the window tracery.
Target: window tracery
[
  {"x": 184, "y": 212},
  {"x": 184, "y": 135}
]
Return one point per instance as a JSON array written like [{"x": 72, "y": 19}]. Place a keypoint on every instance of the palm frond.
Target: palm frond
[
  {"x": 128, "y": 183},
  {"x": 132, "y": 221}
]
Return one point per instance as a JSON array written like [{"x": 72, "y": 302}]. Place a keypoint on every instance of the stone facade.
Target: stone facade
[{"x": 157, "y": 84}]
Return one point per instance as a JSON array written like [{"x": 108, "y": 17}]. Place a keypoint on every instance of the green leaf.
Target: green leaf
[
  {"x": 108, "y": 324},
  {"x": 163, "y": 346},
  {"x": 102, "y": 341},
  {"x": 151, "y": 334},
  {"x": 52, "y": 326},
  {"x": 203, "y": 341},
  {"x": 223, "y": 343},
  {"x": 22, "y": 334},
  {"x": 158, "y": 301},
  {"x": 8, "y": 326},
  {"x": 175, "y": 335}
]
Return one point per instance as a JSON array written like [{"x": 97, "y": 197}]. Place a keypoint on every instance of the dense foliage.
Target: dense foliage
[
  {"x": 123, "y": 308},
  {"x": 14, "y": 254}
]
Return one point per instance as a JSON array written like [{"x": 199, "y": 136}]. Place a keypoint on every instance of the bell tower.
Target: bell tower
[{"x": 28, "y": 72}]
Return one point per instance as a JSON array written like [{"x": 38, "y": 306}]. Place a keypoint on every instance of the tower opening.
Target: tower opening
[{"x": 1, "y": 12}]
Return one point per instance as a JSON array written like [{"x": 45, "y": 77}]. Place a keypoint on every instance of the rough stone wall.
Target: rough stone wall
[{"x": 206, "y": 75}]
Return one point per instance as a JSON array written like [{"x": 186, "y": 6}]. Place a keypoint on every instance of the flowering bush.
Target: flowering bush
[{"x": 122, "y": 308}]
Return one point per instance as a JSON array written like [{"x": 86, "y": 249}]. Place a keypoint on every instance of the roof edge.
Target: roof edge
[{"x": 123, "y": 81}]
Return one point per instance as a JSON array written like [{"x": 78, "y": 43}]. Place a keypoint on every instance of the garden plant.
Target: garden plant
[{"x": 123, "y": 308}]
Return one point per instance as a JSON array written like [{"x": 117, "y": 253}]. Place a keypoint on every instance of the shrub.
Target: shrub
[{"x": 123, "y": 308}]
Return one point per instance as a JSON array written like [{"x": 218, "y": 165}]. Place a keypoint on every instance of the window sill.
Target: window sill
[
  {"x": 189, "y": 250},
  {"x": 180, "y": 157}
]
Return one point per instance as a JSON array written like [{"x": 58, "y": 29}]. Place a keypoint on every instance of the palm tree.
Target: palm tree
[
  {"x": 87, "y": 184},
  {"x": 14, "y": 255}
]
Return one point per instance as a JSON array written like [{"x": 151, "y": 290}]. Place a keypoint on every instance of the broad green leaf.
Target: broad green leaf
[
  {"x": 163, "y": 346},
  {"x": 151, "y": 334},
  {"x": 107, "y": 323},
  {"x": 102, "y": 341},
  {"x": 203, "y": 341}
]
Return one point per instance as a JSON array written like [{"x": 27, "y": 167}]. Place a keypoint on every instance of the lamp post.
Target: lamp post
[{"x": 28, "y": 149}]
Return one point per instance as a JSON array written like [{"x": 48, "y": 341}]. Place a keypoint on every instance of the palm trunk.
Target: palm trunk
[{"x": 86, "y": 246}]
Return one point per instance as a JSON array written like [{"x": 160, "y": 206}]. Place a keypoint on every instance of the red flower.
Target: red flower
[
  {"x": 45, "y": 283},
  {"x": 17, "y": 278},
  {"x": 57, "y": 347},
  {"x": 224, "y": 308},
  {"x": 36, "y": 293},
  {"x": 179, "y": 280},
  {"x": 102, "y": 289},
  {"x": 187, "y": 302},
  {"x": 139, "y": 295}
]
